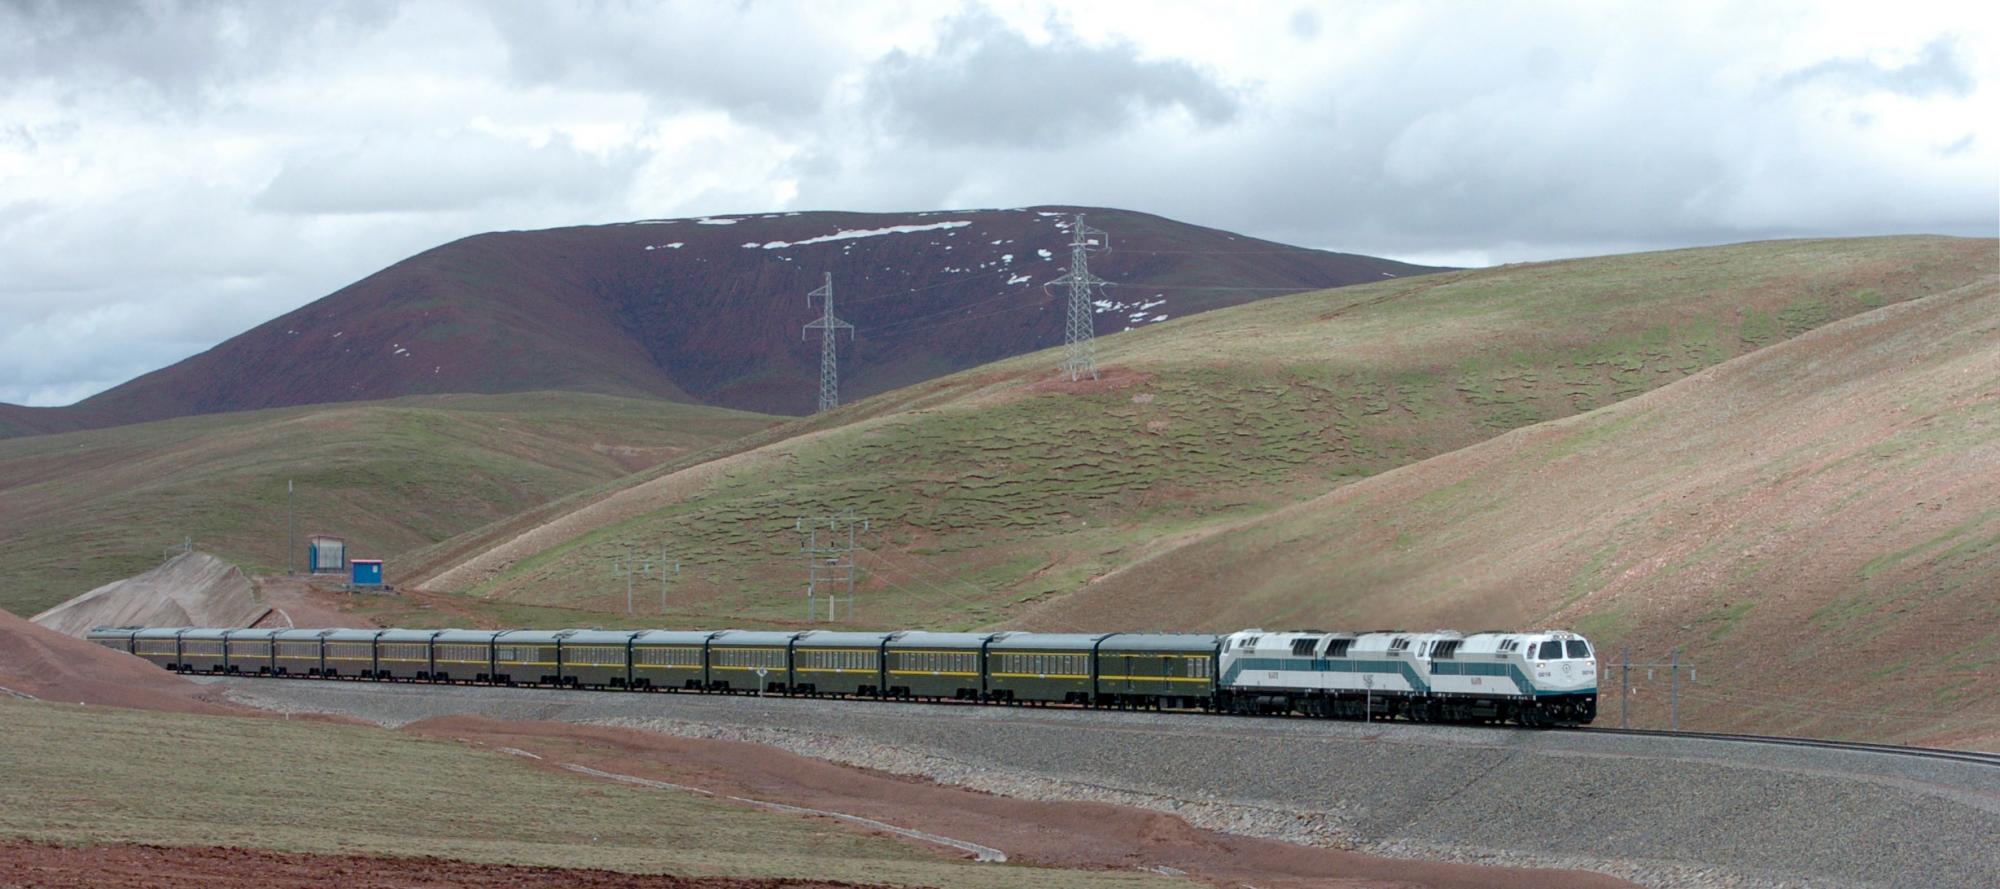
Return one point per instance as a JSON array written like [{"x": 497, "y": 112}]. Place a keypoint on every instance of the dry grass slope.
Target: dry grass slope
[
  {"x": 103, "y": 775},
  {"x": 998, "y": 490},
  {"x": 1813, "y": 524},
  {"x": 81, "y": 509}
]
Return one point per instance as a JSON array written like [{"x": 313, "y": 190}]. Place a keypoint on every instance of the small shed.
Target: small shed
[
  {"x": 325, "y": 554},
  {"x": 367, "y": 572}
]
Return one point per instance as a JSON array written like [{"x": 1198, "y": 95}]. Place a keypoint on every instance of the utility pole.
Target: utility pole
[
  {"x": 1674, "y": 699},
  {"x": 829, "y": 547},
  {"x": 829, "y": 328},
  {"x": 1080, "y": 327},
  {"x": 1672, "y": 666},
  {"x": 1624, "y": 687},
  {"x": 629, "y": 569},
  {"x": 291, "y": 531}
]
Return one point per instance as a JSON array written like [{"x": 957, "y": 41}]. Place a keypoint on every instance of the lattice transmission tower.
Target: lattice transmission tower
[
  {"x": 1080, "y": 328},
  {"x": 829, "y": 336}
]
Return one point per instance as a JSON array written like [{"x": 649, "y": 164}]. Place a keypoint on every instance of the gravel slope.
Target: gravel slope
[{"x": 1662, "y": 812}]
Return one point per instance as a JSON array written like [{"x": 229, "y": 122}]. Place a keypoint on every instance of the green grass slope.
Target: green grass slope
[
  {"x": 84, "y": 508},
  {"x": 1813, "y": 525},
  {"x": 994, "y": 491},
  {"x": 105, "y": 775}
]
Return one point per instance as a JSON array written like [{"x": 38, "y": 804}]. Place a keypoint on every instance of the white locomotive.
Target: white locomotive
[{"x": 1544, "y": 677}]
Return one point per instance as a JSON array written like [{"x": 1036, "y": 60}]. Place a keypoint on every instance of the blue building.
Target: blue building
[
  {"x": 367, "y": 572},
  {"x": 325, "y": 554}
]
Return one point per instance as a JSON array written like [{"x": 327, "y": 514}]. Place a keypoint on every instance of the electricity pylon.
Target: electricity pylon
[{"x": 829, "y": 328}]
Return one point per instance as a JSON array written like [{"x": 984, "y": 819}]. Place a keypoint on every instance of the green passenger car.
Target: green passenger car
[
  {"x": 349, "y": 653},
  {"x": 297, "y": 652},
  {"x": 462, "y": 656},
  {"x": 1042, "y": 667},
  {"x": 596, "y": 658},
  {"x": 160, "y": 645},
  {"x": 830, "y": 663},
  {"x": 531, "y": 657},
  {"x": 114, "y": 638},
  {"x": 202, "y": 650},
  {"x": 1157, "y": 670},
  {"x": 671, "y": 659},
  {"x": 750, "y": 660},
  {"x": 249, "y": 651},
  {"x": 935, "y": 665},
  {"x": 403, "y": 654}
]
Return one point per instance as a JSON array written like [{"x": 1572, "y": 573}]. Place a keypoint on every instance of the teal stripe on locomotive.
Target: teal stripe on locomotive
[
  {"x": 1317, "y": 665},
  {"x": 1507, "y": 669}
]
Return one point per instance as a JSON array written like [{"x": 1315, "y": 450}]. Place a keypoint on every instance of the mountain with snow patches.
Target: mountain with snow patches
[{"x": 711, "y": 310}]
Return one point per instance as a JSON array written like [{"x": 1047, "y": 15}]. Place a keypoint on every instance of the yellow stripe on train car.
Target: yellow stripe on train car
[{"x": 1158, "y": 678}]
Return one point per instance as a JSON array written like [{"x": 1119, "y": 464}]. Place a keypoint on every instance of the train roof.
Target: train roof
[
  {"x": 158, "y": 632},
  {"x": 599, "y": 637},
  {"x": 1045, "y": 641},
  {"x": 754, "y": 637},
  {"x": 351, "y": 635},
  {"x": 1159, "y": 642},
  {"x": 928, "y": 639},
  {"x": 253, "y": 633},
  {"x": 530, "y": 637},
  {"x": 205, "y": 633},
  {"x": 296, "y": 634},
  {"x": 841, "y": 639},
  {"x": 474, "y": 637},
  {"x": 673, "y": 637},
  {"x": 400, "y": 635}
]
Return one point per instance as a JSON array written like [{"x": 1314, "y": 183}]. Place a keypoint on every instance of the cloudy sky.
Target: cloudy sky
[{"x": 172, "y": 173}]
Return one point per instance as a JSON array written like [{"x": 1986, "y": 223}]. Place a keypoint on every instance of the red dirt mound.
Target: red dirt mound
[
  {"x": 160, "y": 867},
  {"x": 44, "y": 664}
]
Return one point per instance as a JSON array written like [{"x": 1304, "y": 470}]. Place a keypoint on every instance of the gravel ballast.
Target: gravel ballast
[{"x": 1658, "y": 811}]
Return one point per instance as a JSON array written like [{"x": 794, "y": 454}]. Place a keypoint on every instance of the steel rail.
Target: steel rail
[{"x": 1975, "y": 757}]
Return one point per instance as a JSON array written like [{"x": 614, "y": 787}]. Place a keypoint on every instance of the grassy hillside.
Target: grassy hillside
[
  {"x": 1814, "y": 525},
  {"x": 997, "y": 490},
  {"x": 108, "y": 775},
  {"x": 83, "y": 508}
]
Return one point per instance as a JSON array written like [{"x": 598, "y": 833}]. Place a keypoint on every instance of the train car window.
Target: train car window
[
  {"x": 1552, "y": 650},
  {"x": 1338, "y": 647},
  {"x": 1577, "y": 649},
  {"x": 1444, "y": 650},
  {"x": 1304, "y": 647}
]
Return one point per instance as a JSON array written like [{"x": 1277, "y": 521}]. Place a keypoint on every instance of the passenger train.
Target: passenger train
[{"x": 1538, "y": 678}]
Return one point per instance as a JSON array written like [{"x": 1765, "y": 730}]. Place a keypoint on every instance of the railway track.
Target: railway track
[{"x": 1968, "y": 756}]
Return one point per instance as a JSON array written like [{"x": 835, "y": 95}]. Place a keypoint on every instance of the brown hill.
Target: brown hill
[
  {"x": 710, "y": 310},
  {"x": 44, "y": 664},
  {"x": 1813, "y": 524}
]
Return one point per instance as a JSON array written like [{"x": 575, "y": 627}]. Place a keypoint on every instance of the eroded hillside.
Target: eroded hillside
[{"x": 996, "y": 491}]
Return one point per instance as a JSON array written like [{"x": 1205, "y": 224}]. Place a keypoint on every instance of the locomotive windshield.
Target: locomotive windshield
[
  {"x": 1551, "y": 650},
  {"x": 1577, "y": 649}
]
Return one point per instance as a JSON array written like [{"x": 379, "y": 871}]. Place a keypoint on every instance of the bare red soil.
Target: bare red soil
[
  {"x": 1055, "y": 834},
  {"x": 47, "y": 665},
  {"x": 161, "y": 867}
]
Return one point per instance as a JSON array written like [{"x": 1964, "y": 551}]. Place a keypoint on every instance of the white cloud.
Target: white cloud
[{"x": 172, "y": 173}]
